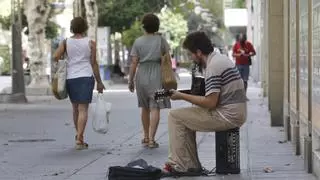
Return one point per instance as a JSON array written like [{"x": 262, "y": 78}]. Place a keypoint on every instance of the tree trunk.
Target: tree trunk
[
  {"x": 37, "y": 13},
  {"x": 78, "y": 8},
  {"x": 117, "y": 50},
  {"x": 123, "y": 49},
  {"x": 92, "y": 18}
]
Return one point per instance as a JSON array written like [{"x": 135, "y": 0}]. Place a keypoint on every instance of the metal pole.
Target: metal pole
[
  {"x": 308, "y": 139},
  {"x": 18, "y": 87},
  {"x": 13, "y": 45},
  {"x": 297, "y": 34}
]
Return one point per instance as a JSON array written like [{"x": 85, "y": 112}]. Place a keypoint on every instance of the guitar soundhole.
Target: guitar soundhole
[{"x": 159, "y": 95}]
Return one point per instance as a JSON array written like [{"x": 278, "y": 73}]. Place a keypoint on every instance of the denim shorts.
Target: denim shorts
[
  {"x": 244, "y": 71},
  {"x": 80, "y": 89}
]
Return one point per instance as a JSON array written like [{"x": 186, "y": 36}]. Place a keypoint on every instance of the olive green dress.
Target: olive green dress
[{"x": 148, "y": 49}]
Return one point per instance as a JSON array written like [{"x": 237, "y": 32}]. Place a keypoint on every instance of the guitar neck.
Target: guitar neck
[{"x": 186, "y": 91}]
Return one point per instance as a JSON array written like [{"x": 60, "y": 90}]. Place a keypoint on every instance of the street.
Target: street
[{"x": 37, "y": 142}]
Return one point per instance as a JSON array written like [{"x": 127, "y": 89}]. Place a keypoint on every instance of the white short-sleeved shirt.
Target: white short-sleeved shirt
[{"x": 79, "y": 57}]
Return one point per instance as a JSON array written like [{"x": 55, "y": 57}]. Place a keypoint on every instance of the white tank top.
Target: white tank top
[{"x": 79, "y": 54}]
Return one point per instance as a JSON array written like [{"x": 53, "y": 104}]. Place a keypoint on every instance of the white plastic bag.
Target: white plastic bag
[{"x": 101, "y": 111}]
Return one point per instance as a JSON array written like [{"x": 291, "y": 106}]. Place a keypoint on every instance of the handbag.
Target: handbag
[
  {"x": 249, "y": 60},
  {"x": 168, "y": 77},
  {"x": 58, "y": 84}
]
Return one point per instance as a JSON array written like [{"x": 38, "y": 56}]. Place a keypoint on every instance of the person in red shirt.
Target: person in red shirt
[{"x": 243, "y": 50}]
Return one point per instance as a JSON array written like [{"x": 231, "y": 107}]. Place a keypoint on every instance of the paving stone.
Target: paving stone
[{"x": 56, "y": 160}]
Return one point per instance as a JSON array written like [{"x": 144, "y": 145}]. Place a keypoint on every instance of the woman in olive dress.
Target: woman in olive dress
[{"x": 145, "y": 67}]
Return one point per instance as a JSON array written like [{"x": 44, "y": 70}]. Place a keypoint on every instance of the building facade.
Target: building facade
[{"x": 286, "y": 34}]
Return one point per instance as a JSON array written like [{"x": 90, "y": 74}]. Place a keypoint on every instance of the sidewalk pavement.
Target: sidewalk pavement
[
  {"x": 262, "y": 146},
  {"x": 266, "y": 146}
]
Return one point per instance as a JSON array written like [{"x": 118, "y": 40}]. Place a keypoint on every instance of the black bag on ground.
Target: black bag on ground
[{"x": 136, "y": 170}]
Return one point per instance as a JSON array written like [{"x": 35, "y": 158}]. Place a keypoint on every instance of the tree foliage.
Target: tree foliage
[
  {"x": 174, "y": 26},
  {"x": 51, "y": 28},
  {"x": 181, "y": 6},
  {"x": 130, "y": 35},
  {"x": 239, "y": 4},
  {"x": 5, "y": 22},
  {"x": 5, "y": 65},
  {"x": 215, "y": 7},
  {"x": 121, "y": 14}
]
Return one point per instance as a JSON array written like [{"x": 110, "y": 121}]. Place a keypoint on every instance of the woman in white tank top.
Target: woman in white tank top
[{"x": 82, "y": 71}]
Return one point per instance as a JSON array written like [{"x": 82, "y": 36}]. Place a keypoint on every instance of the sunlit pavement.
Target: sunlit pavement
[{"x": 37, "y": 141}]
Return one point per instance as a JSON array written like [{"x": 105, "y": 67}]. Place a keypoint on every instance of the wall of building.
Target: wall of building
[
  {"x": 299, "y": 60},
  {"x": 258, "y": 34},
  {"x": 304, "y": 78},
  {"x": 315, "y": 88},
  {"x": 255, "y": 32}
]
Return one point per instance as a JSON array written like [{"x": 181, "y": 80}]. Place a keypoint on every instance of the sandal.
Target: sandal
[
  {"x": 145, "y": 141},
  {"x": 153, "y": 144},
  {"x": 80, "y": 145}
]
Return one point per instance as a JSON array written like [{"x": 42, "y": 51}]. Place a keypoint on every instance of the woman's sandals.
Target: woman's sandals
[
  {"x": 80, "y": 145},
  {"x": 145, "y": 141},
  {"x": 149, "y": 143},
  {"x": 153, "y": 144}
]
